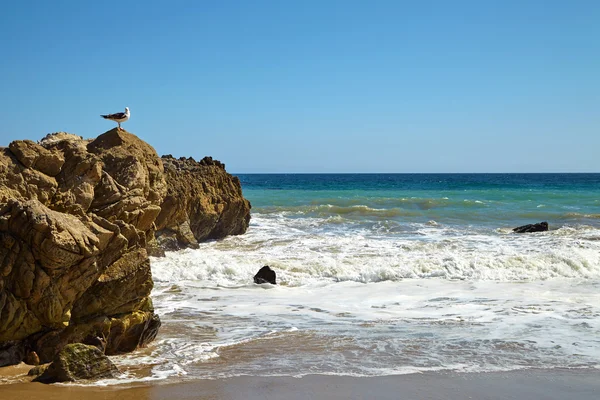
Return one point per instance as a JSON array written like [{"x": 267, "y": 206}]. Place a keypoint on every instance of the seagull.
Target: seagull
[{"x": 118, "y": 117}]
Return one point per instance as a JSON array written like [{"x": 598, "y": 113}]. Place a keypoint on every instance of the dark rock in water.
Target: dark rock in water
[
  {"x": 541, "y": 227},
  {"x": 265, "y": 275},
  {"x": 78, "y": 361},
  {"x": 11, "y": 353}
]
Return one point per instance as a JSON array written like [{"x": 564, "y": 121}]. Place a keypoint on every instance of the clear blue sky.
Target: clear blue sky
[{"x": 315, "y": 86}]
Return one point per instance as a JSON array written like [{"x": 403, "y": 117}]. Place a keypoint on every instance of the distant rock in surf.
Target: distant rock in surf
[
  {"x": 265, "y": 275},
  {"x": 540, "y": 227}
]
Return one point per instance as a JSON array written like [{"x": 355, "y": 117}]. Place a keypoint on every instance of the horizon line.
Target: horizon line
[{"x": 412, "y": 173}]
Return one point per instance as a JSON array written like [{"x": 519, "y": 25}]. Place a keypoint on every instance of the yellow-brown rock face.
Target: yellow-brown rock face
[
  {"x": 77, "y": 221},
  {"x": 75, "y": 216},
  {"x": 203, "y": 202}
]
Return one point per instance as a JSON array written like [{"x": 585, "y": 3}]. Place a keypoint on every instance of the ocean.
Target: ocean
[{"x": 383, "y": 274}]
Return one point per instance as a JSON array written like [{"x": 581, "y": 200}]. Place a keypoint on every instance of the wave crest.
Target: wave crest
[{"x": 305, "y": 259}]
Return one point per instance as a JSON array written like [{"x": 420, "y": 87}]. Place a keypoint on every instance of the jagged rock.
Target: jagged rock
[
  {"x": 32, "y": 155},
  {"x": 539, "y": 227},
  {"x": 133, "y": 163},
  {"x": 72, "y": 245},
  {"x": 136, "y": 330},
  {"x": 115, "y": 335},
  {"x": 48, "y": 260},
  {"x": 265, "y": 275},
  {"x": 56, "y": 137},
  {"x": 77, "y": 220},
  {"x": 203, "y": 202},
  {"x": 19, "y": 182},
  {"x": 76, "y": 362},
  {"x": 12, "y": 352},
  {"x": 121, "y": 288},
  {"x": 78, "y": 178}
]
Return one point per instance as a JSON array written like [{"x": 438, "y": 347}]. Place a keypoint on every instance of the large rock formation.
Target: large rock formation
[
  {"x": 77, "y": 219},
  {"x": 203, "y": 202}
]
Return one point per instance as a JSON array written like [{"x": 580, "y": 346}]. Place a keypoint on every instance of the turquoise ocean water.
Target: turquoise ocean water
[{"x": 482, "y": 201}]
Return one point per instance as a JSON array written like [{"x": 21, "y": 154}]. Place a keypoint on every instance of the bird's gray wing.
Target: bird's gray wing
[{"x": 114, "y": 116}]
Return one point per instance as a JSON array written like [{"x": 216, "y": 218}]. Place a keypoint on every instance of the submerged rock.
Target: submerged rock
[
  {"x": 265, "y": 275},
  {"x": 539, "y": 227},
  {"x": 78, "y": 361}
]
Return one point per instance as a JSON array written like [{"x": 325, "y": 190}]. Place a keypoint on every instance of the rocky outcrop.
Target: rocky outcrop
[
  {"x": 203, "y": 202},
  {"x": 539, "y": 227},
  {"x": 75, "y": 219},
  {"x": 77, "y": 222},
  {"x": 265, "y": 275},
  {"x": 76, "y": 362}
]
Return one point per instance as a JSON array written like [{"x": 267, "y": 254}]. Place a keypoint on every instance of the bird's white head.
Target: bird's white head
[{"x": 126, "y": 110}]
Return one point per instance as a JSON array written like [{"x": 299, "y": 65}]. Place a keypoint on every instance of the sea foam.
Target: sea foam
[
  {"x": 304, "y": 252},
  {"x": 354, "y": 299}
]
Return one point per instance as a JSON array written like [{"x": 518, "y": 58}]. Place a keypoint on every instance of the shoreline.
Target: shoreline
[{"x": 549, "y": 384}]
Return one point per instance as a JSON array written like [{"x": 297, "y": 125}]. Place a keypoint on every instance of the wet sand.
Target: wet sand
[{"x": 517, "y": 385}]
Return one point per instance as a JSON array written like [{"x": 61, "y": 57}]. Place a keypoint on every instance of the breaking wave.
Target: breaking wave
[{"x": 304, "y": 254}]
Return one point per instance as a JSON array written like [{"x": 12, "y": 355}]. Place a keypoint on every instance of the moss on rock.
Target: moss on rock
[{"x": 76, "y": 362}]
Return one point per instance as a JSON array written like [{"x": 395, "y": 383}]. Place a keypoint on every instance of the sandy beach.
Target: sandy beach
[{"x": 556, "y": 384}]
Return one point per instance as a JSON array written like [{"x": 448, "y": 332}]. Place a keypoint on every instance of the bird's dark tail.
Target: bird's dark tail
[{"x": 104, "y": 116}]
